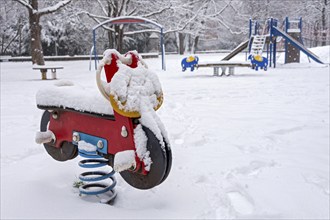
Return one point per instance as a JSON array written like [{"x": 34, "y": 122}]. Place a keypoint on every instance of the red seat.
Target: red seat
[
  {"x": 135, "y": 59},
  {"x": 111, "y": 69}
]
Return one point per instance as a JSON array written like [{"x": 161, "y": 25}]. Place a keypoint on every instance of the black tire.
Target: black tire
[
  {"x": 169, "y": 161},
  {"x": 159, "y": 167},
  {"x": 67, "y": 151}
]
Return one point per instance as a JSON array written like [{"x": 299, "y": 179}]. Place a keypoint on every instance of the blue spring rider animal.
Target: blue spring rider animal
[
  {"x": 258, "y": 61},
  {"x": 189, "y": 62}
]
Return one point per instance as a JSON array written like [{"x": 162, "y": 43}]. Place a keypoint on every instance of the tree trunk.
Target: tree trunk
[
  {"x": 120, "y": 39},
  {"x": 181, "y": 43},
  {"x": 316, "y": 31},
  {"x": 20, "y": 39},
  {"x": 187, "y": 43},
  {"x": 111, "y": 36},
  {"x": 2, "y": 42},
  {"x": 324, "y": 23},
  {"x": 111, "y": 40},
  {"x": 35, "y": 31},
  {"x": 190, "y": 43},
  {"x": 195, "y": 44}
]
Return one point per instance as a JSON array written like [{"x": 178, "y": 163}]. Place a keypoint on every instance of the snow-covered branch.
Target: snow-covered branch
[
  {"x": 102, "y": 7},
  {"x": 95, "y": 18},
  {"x": 25, "y": 4},
  {"x": 187, "y": 22},
  {"x": 228, "y": 28},
  {"x": 132, "y": 11},
  {"x": 93, "y": 15},
  {"x": 220, "y": 11},
  {"x": 54, "y": 8},
  {"x": 239, "y": 14},
  {"x": 123, "y": 6},
  {"x": 157, "y": 12}
]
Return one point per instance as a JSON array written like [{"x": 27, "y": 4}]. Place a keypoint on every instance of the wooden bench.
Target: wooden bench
[
  {"x": 224, "y": 65},
  {"x": 43, "y": 70}
]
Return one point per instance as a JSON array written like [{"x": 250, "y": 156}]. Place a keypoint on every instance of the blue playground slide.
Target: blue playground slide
[{"x": 297, "y": 44}]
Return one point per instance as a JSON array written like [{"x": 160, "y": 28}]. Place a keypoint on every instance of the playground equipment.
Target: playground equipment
[
  {"x": 223, "y": 65},
  {"x": 293, "y": 41},
  {"x": 263, "y": 36},
  {"x": 189, "y": 62},
  {"x": 266, "y": 34},
  {"x": 78, "y": 121},
  {"x": 256, "y": 58},
  {"x": 131, "y": 20},
  {"x": 258, "y": 61}
]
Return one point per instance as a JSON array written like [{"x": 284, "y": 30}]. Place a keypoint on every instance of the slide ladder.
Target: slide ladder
[{"x": 258, "y": 44}]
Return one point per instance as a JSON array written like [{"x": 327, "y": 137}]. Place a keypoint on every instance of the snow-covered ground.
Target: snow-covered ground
[{"x": 252, "y": 145}]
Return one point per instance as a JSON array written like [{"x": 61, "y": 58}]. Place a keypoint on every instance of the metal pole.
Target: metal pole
[
  {"x": 275, "y": 43},
  {"x": 256, "y": 27},
  {"x": 287, "y": 24},
  {"x": 286, "y": 42},
  {"x": 250, "y": 28},
  {"x": 274, "y": 56},
  {"x": 270, "y": 42},
  {"x": 250, "y": 34},
  {"x": 300, "y": 28},
  {"x": 162, "y": 48},
  {"x": 267, "y": 51},
  {"x": 94, "y": 42}
]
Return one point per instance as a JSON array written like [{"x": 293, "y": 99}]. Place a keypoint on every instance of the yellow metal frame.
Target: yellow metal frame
[{"x": 131, "y": 114}]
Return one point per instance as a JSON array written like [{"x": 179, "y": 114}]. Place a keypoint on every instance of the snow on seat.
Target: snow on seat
[{"x": 64, "y": 94}]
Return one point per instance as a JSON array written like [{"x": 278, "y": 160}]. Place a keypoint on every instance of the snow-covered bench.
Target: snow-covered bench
[
  {"x": 224, "y": 65},
  {"x": 44, "y": 69}
]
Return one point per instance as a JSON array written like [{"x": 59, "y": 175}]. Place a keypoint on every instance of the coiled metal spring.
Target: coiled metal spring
[{"x": 93, "y": 178}]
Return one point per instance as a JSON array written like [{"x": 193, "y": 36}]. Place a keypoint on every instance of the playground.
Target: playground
[
  {"x": 264, "y": 37},
  {"x": 252, "y": 145}
]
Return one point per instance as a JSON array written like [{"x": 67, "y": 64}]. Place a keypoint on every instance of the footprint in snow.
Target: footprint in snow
[
  {"x": 287, "y": 131},
  {"x": 239, "y": 203},
  {"x": 179, "y": 141},
  {"x": 254, "y": 168},
  {"x": 318, "y": 181}
]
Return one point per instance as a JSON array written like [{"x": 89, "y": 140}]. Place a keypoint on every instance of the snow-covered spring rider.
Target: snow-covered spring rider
[
  {"x": 189, "y": 62},
  {"x": 258, "y": 61},
  {"x": 127, "y": 134}
]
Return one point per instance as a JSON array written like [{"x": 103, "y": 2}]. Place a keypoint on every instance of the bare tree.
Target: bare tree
[
  {"x": 12, "y": 25},
  {"x": 112, "y": 9},
  {"x": 197, "y": 20},
  {"x": 322, "y": 9},
  {"x": 117, "y": 8},
  {"x": 35, "y": 28}
]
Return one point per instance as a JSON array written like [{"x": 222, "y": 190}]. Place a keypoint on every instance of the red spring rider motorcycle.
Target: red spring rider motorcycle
[{"x": 125, "y": 134}]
